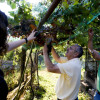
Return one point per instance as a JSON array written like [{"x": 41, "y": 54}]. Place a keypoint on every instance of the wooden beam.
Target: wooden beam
[{"x": 48, "y": 13}]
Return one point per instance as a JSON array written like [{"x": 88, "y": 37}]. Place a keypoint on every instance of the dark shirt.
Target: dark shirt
[{"x": 3, "y": 89}]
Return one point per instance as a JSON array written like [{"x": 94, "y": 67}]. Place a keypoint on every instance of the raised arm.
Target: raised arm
[
  {"x": 94, "y": 53},
  {"x": 50, "y": 66},
  {"x": 14, "y": 45},
  {"x": 55, "y": 55}
]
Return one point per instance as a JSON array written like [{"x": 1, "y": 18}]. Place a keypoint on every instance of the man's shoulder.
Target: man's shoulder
[
  {"x": 75, "y": 62},
  {"x": 63, "y": 59}
]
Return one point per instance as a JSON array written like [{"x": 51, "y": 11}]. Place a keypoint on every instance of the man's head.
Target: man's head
[{"x": 75, "y": 51}]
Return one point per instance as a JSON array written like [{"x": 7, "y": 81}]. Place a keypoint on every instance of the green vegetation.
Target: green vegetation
[
  {"x": 68, "y": 24},
  {"x": 9, "y": 56},
  {"x": 47, "y": 81},
  {"x": 12, "y": 79},
  {"x": 45, "y": 91}
]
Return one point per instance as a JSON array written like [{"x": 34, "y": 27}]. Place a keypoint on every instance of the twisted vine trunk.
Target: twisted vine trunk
[{"x": 23, "y": 59}]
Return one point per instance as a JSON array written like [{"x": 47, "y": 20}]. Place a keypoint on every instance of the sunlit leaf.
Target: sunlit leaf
[{"x": 13, "y": 5}]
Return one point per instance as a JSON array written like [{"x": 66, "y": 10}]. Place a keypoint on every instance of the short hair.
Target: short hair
[{"x": 79, "y": 49}]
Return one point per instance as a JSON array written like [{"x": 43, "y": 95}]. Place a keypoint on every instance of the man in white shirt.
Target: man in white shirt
[{"x": 69, "y": 68}]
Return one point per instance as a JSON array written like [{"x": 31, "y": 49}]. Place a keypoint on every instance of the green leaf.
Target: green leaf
[
  {"x": 13, "y": 5},
  {"x": 76, "y": 2},
  {"x": 9, "y": 2},
  {"x": 11, "y": 13},
  {"x": 65, "y": 4}
]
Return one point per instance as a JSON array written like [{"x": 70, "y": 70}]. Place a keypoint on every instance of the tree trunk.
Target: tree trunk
[{"x": 23, "y": 59}]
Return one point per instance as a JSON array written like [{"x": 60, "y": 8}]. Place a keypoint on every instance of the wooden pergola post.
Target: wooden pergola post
[{"x": 48, "y": 13}]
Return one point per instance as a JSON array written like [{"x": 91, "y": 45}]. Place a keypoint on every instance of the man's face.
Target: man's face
[{"x": 71, "y": 51}]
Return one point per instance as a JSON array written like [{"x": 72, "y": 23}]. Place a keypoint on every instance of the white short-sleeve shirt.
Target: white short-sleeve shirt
[{"x": 68, "y": 83}]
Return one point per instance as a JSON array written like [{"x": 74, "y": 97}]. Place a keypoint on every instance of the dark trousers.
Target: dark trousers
[
  {"x": 75, "y": 99},
  {"x": 97, "y": 95}
]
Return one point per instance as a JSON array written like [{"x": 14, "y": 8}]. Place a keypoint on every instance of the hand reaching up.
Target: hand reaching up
[
  {"x": 31, "y": 36},
  {"x": 90, "y": 33}
]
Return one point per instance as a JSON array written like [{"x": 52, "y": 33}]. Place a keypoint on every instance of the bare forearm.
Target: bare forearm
[
  {"x": 14, "y": 45},
  {"x": 47, "y": 61},
  {"x": 95, "y": 54},
  {"x": 55, "y": 55},
  {"x": 50, "y": 66},
  {"x": 90, "y": 43}
]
